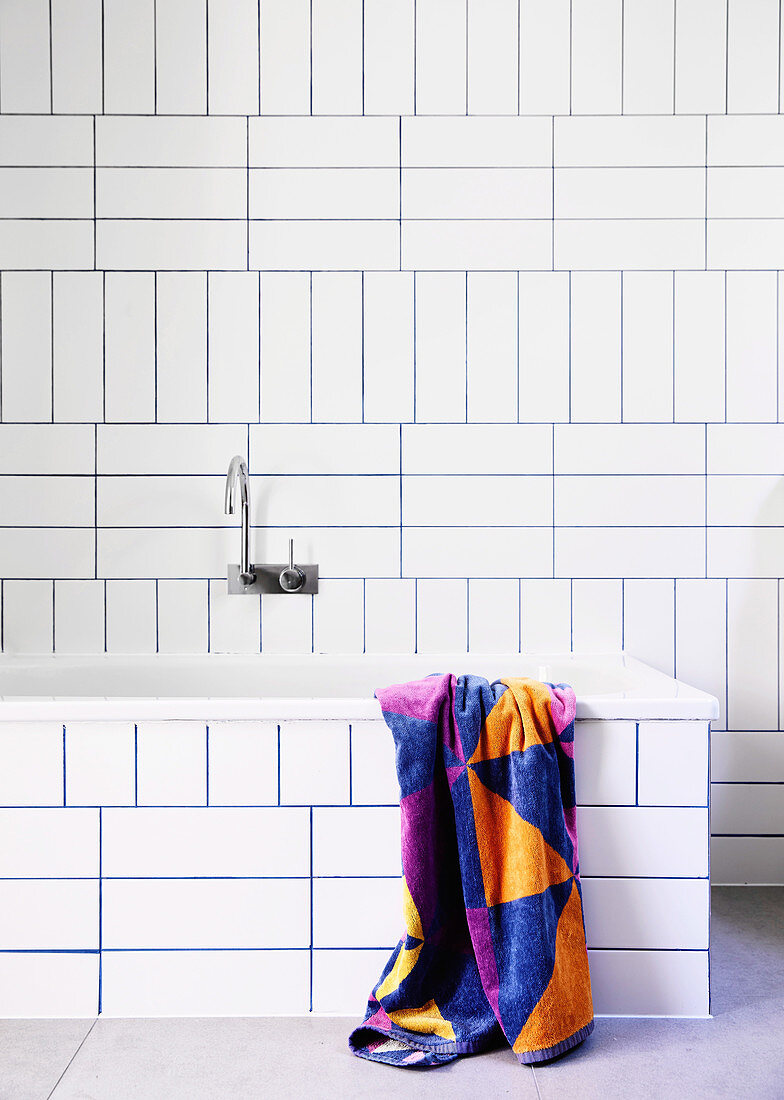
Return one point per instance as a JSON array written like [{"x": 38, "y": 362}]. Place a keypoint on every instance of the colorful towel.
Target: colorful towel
[{"x": 494, "y": 944}]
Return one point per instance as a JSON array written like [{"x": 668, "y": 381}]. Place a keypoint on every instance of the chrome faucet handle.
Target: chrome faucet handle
[{"x": 291, "y": 578}]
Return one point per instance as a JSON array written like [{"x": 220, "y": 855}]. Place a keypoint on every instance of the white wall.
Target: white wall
[{"x": 519, "y": 330}]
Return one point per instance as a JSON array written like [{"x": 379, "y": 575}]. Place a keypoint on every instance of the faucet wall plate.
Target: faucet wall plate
[{"x": 268, "y": 581}]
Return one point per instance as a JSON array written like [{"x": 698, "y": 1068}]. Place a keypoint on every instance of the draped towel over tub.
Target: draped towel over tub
[{"x": 494, "y": 940}]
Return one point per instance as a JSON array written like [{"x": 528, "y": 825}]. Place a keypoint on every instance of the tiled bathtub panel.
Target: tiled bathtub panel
[
  {"x": 642, "y": 840},
  {"x": 605, "y": 763}
]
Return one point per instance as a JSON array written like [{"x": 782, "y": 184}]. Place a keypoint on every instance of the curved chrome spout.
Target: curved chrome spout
[{"x": 238, "y": 475}]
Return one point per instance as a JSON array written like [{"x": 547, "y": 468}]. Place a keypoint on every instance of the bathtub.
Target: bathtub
[{"x": 219, "y": 835}]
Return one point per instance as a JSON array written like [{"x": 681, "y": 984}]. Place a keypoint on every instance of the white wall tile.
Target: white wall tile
[
  {"x": 336, "y": 336},
  {"x": 606, "y": 763},
  {"x": 492, "y": 346},
  {"x": 630, "y": 552},
  {"x": 700, "y": 56},
  {"x": 287, "y": 627},
  {"x": 596, "y": 57},
  {"x": 752, "y": 345},
  {"x": 181, "y": 245},
  {"x": 46, "y": 140},
  {"x": 634, "y": 244},
  {"x": 477, "y": 449},
  {"x": 218, "y": 193},
  {"x": 78, "y": 345},
  {"x": 47, "y": 552},
  {"x": 181, "y": 346},
  {"x": 699, "y": 345},
  {"x": 195, "y": 913},
  {"x": 595, "y": 346},
  {"x": 54, "y": 916},
  {"x": 24, "y": 57},
  {"x": 389, "y": 616},
  {"x": 325, "y": 780},
  {"x": 234, "y": 624},
  {"x": 285, "y": 346},
  {"x": 285, "y": 56},
  {"x": 59, "y": 501},
  {"x": 99, "y": 764},
  {"x": 662, "y": 781},
  {"x": 656, "y": 983},
  {"x": 49, "y": 984},
  {"x": 606, "y": 141},
  {"x": 622, "y": 501},
  {"x": 440, "y": 64},
  {"x": 747, "y": 809},
  {"x": 745, "y": 500},
  {"x": 629, "y": 449},
  {"x": 373, "y": 775},
  {"x": 747, "y": 859},
  {"x": 493, "y": 616},
  {"x": 656, "y": 914},
  {"x": 648, "y": 52},
  {"x": 343, "y": 979},
  {"x": 181, "y": 57},
  {"x": 326, "y": 245},
  {"x": 440, "y": 350},
  {"x": 182, "y": 616},
  {"x": 47, "y": 449},
  {"x": 357, "y": 912},
  {"x": 460, "y": 193},
  {"x": 336, "y": 58},
  {"x": 323, "y": 193},
  {"x": 753, "y": 56},
  {"x": 26, "y": 343},
  {"x": 129, "y": 57},
  {"x": 130, "y": 617},
  {"x": 649, "y": 622},
  {"x": 744, "y": 192},
  {"x": 493, "y": 35},
  {"x": 388, "y": 346},
  {"x": 197, "y": 142},
  {"x": 32, "y": 764},
  {"x": 756, "y": 757},
  {"x": 436, "y": 501},
  {"x": 129, "y": 346},
  {"x": 233, "y": 346},
  {"x": 700, "y": 633},
  {"x": 78, "y": 616},
  {"x": 744, "y": 551},
  {"x": 233, "y": 57},
  {"x": 745, "y": 140},
  {"x": 243, "y": 763},
  {"x": 29, "y": 245},
  {"x": 752, "y": 662},
  {"x": 46, "y": 193},
  {"x": 629, "y": 192},
  {"x": 167, "y": 449},
  {"x": 27, "y": 615},
  {"x": 479, "y": 244},
  {"x": 647, "y": 350},
  {"x": 325, "y": 449},
  {"x": 546, "y": 616},
  {"x": 466, "y": 142},
  {"x": 675, "y": 841},
  {"x": 204, "y": 983},
  {"x": 49, "y": 843},
  {"x": 356, "y": 841},
  {"x": 332, "y": 142},
  {"x": 442, "y": 616},
  {"x": 743, "y": 243},
  {"x": 544, "y": 323},
  {"x": 597, "y": 616},
  {"x": 389, "y": 57},
  {"x": 338, "y": 617},
  {"x": 477, "y": 552},
  {"x": 545, "y": 57},
  {"x": 171, "y": 765},
  {"x": 77, "y": 69}
]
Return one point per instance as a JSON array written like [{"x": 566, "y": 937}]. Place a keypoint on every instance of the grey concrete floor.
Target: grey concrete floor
[{"x": 739, "y": 1053}]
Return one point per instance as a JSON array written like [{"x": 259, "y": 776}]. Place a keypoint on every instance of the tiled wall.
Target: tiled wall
[
  {"x": 512, "y": 272},
  {"x": 192, "y": 868}
]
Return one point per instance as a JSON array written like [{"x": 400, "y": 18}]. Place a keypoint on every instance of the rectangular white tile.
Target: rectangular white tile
[
  {"x": 389, "y": 57},
  {"x": 752, "y": 345},
  {"x": 493, "y": 616},
  {"x": 595, "y": 347},
  {"x": 214, "y": 842},
  {"x": 477, "y": 552},
  {"x": 629, "y": 192},
  {"x": 78, "y": 616},
  {"x": 753, "y": 140},
  {"x": 647, "y": 349},
  {"x": 27, "y": 614},
  {"x": 182, "y": 616},
  {"x": 543, "y": 341},
  {"x": 477, "y": 449},
  {"x": 78, "y": 347},
  {"x": 373, "y": 775},
  {"x": 673, "y": 764},
  {"x": 325, "y": 746},
  {"x": 653, "y": 914},
  {"x": 46, "y": 192},
  {"x": 745, "y": 192},
  {"x": 493, "y": 36},
  {"x": 745, "y": 243},
  {"x": 635, "y": 244},
  {"x": 99, "y": 764},
  {"x": 52, "y": 916},
  {"x": 355, "y": 840},
  {"x": 167, "y": 448},
  {"x": 747, "y": 809},
  {"x": 440, "y": 65},
  {"x": 546, "y": 616},
  {"x": 466, "y": 142},
  {"x": 744, "y": 860},
  {"x": 129, "y": 57},
  {"x": 26, "y": 344},
  {"x": 432, "y": 501},
  {"x": 649, "y": 983},
  {"x": 699, "y": 345},
  {"x": 357, "y": 912},
  {"x": 205, "y": 983},
  {"x": 545, "y": 57},
  {"x": 171, "y": 245},
  {"x": 441, "y": 616},
  {"x": 648, "y": 56},
  {"x": 622, "y": 501},
  {"x": 461, "y": 193},
  {"x": 752, "y": 661},
  {"x": 336, "y": 346},
  {"x": 243, "y": 763},
  {"x": 700, "y": 56},
  {"x": 388, "y": 346},
  {"x": 630, "y": 552},
  {"x": 745, "y": 448},
  {"x": 285, "y": 57},
  {"x": 182, "y": 913},
  {"x": 327, "y": 142},
  {"x": 234, "y": 626},
  {"x": 47, "y": 552},
  {"x": 147, "y": 142},
  {"x": 338, "y": 625},
  {"x": 744, "y": 551},
  {"x": 59, "y": 501},
  {"x": 324, "y": 245},
  {"x": 324, "y": 449},
  {"x": 49, "y": 843},
  {"x": 700, "y": 632},
  {"x": 287, "y": 627},
  {"x": 753, "y": 56},
  {"x": 233, "y": 346},
  {"x": 597, "y": 616},
  {"x": 32, "y": 245},
  {"x": 129, "y": 348},
  {"x": 171, "y": 765},
  {"x": 49, "y": 984},
  {"x": 330, "y": 501},
  {"x": 181, "y": 345},
  {"x": 285, "y": 346},
  {"x": 181, "y": 57},
  {"x": 25, "y": 57},
  {"x": 337, "y": 57},
  {"x": 233, "y": 57},
  {"x": 342, "y": 979},
  {"x": 323, "y": 193},
  {"x": 480, "y": 245},
  {"x": 756, "y": 757},
  {"x": 745, "y": 500},
  {"x": 492, "y": 346},
  {"x": 597, "y": 51},
  {"x": 130, "y": 616},
  {"x": 46, "y": 140},
  {"x": 170, "y": 192},
  {"x": 675, "y": 841},
  {"x": 32, "y": 764},
  {"x": 440, "y": 346},
  {"x": 649, "y": 622},
  {"x": 607, "y": 141},
  {"x": 629, "y": 449},
  {"x": 605, "y": 763},
  {"x": 389, "y": 616}
]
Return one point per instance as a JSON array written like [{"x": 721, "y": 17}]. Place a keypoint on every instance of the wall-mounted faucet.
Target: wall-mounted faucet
[{"x": 245, "y": 579}]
